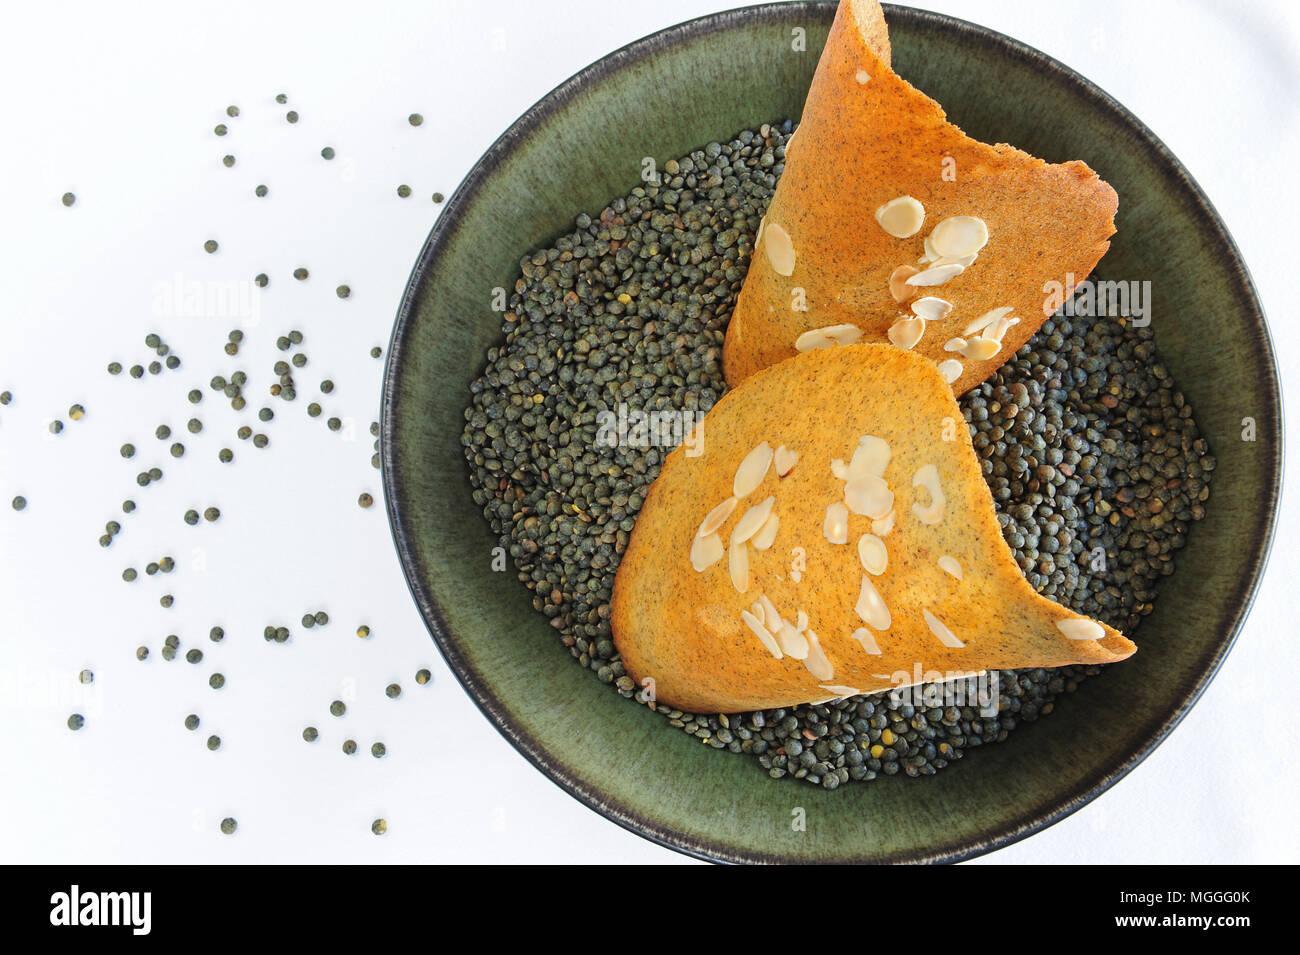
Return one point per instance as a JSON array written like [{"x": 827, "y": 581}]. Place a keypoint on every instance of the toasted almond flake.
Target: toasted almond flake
[
  {"x": 948, "y": 564},
  {"x": 870, "y": 457},
  {"x": 930, "y": 255},
  {"x": 862, "y": 76},
  {"x": 785, "y": 460},
  {"x": 836, "y": 526},
  {"x": 867, "y": 639},
  {"x": 928, "y": 478},
  {"x": 779, "y": 248},
  {"x": 717, "y": 517},
  {"x": 705, "y": 552},
  {"x": 756, "y": 608},
  {"x": 882, "y": 527},
  {"x": 981, "y": 349},
  {"x": 873, "y": 553},
  {"x": 906, "y": 332},
  {"x": 868, "y": 495},
  {"x": 839, "y": 469},
  {"x": 988, "y": 318},
  {"x": 771, "y": 616},
  {"x": 841, "y": 692},
  {"x": 959, "y": 235},
  {"x": 902, "y": 217},
  {"x": 1081, "y": 628},
  {"x": 954, "y": 344},
  {"x": 946, "y": 636},
  {"x": 827, "y": 337},
  {"x": 752, "y": 521},
  {"x": 999, "y": 328},
  {"x": 898, "y": 286},
  {"x": 871, "y": 606},
  {"x": 767, "y": 533},
  {"x": 758, "y": 236},
  {"x": 738, "y": 565},
  {"x": 800, "y": 620},
  {"x": 761, "y": 632},
  {"x": 936, "y": 275},
  {"x": 752, "y": 470},
  {"x": 965, "y": 261},
  {"x": 815, "y": 662},
  {"x": 931, "y": 309},
  {"x": 794, "y": 643},
  {"x": 950, "y": 369}
]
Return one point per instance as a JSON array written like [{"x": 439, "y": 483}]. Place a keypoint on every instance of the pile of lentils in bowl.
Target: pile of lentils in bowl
[{"x": 1095, "y": 464}]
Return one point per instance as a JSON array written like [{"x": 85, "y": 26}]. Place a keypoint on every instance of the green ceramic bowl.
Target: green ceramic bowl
[{"x": 581, "y": 146}]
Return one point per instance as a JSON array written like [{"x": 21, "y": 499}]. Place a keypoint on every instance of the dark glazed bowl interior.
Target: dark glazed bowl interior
[{"x": 580, "y": 147}]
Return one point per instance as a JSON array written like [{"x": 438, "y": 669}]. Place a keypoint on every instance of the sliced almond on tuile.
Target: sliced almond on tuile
[
  {"x": 936, "y": 275},
  {"x": 717, "y": 517},
  {"x": 999, "y": 328},
  {"x": 779, "y": 248},
  {"x": 928, "y": 478},
  {"x": 931, "y": 308},
  {"x": 898, "y": 287},
  {"x": 841, "y": 692},
  {"x": 761, "y": 632},
  {"x": 954, "y": 344},
  {"x": 738, "y": 566},
  {"x": 867, "y": 639},
  {"x": 871, "y": 606},
  {"x": 767, "y": 533},
  {"x": 871, "y": 456},
  {"x": 940, "y": 630},
  {"x": 784, "y": 459},
  {"x": 981, "y": 349},
  {"x": 906, "y": 332},
  {"x": 965, "y": 261},
  {"x": 988, "y": 318},
  {"x": 902, "y": 217},
  {"x": 794, "y": 643},
  {"x": 827, "y": 337},
  {"x": 752, "y": 521},
  {"x": 706, "y": 551},
  {"x": 752, "y": 470},
  {"x": 1080, "y": 628},
  {"x": 959, "y": 235},
  {"x": 839, "y": 469},
  {"x": 884, "y": 525},
  {"x": 873, "y": 553},
  {"x": 771, "y": 616},
  {"x": 756, "y": 608},
  {"x": 929, "y": 256},
  {"x": 948, "y": 564},
  {"x": 869, "y": 496},
  {"x": 800, "y": 620},
  {"x": 836, "y": 526},
  {"x": 815, "y": 661},
  {"x": 950, "y": 369}
]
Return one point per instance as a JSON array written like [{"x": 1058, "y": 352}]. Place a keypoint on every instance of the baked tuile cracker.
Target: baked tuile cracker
[
  {"x": 836, "y": 249},
  {"x": 781, "y": 477}
]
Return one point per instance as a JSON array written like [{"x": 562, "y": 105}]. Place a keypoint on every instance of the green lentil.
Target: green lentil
[
  {"x": 363, "y": 631},
  {"x": 216, "y": 634},
  {"x": 379, "y": 827},
  {"x": 214, "y": 743},
  {"x": 313, "y": 410},
  {"x": 376, "y": 352},
  {"x": 155, "y": 474},
  {"x": 220, "y": 129},
  {"x": 343, "y": 291},
  {"x": 192, "y": 722},
  {"x": 260, "y": 440},
  {"x": 19, "y": 502},
  {"x": 338, "y": 708},
  {"x": 365, "y": 500},
  {"x": 310, "y": 734},
  {"x": 191, "y": 517},
  {"x": 404, "y": 191},
  {"x": 300, "y": 274},
  {"x": 232, "y": 110},
  {"x": 195, "y": 396},
  {"x": 216, "y": 681},
  {"x": 137, "y": 371},
  {"x": 295, "y": 336},
  {"x": 228, "y": 826},
  {"x": 281, "y": 98},
  {"x": 334, "y": 424},
  {"x": 299, "y": 360},
  {"x": 76, "y": 721},
  {"x": 210, "y": 246},
  {"x": 393, "y": 691},
  {"x": 69, "y": 198},
  {"x": 194, "y": 425},
  {"x": 438, "y": 197},
  {"x": 260, "y": 280},
  {"x": 155, "y": 368},
  {"x": 128, "y": 506},
  {"x": 225, "y": 455},
  {"x": 142, "y": 653},
  {"x": 265, "y": 414},
  {"x": 211, "y": 514},
  {"x": 291, "y": 116},
  {"x": 166, "y": 600},
  {"x": 6, "y": 397},
  {"x": 327, "y": 386},
  {"x": 261, "y": 192},
  {"x": 76, "y": 412},
  {"x": 105, "y": 540},
  {"x": 172, "y": 362},
  {"x": 244, "y": 432},
  {"x": 166, "y": 565},
  {"x": 423, "y": 676},
  {"x": 227, "y": 161},
  {"x": 177, "y": 449},
  {"x": 56, "y": 426},
  {"x": 321, "y": 618},
  {"x": 86, "y": 676},
  {"x": 327, "y": 152},
  {"x": 349, "y": 747},
  {"x": 415, "y": 119},
  {"x": 129, "y": 574},
  {"x": 379, "y": 750}
]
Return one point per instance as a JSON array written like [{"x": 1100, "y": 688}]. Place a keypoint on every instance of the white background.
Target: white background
[{"x": 117, "y": 104}]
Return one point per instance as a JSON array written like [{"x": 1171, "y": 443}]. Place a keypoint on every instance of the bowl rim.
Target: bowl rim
[{"x": 446, "y": 226}]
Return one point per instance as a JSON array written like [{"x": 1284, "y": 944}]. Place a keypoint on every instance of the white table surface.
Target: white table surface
[{"x": 117, "y": 104}]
